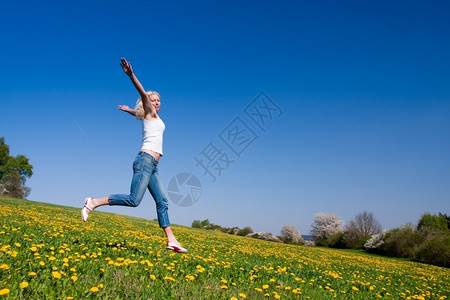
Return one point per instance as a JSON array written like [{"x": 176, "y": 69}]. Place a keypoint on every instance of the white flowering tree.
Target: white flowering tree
[
  {"x": 326, "y": 225},
  {"x": 375, "y": 243},
  {"x": 290, "y": 234}
]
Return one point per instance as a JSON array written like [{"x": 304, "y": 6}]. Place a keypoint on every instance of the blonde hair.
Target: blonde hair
[{"x": 140, "y": 112}]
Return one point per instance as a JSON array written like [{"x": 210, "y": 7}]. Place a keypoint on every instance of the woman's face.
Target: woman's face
[{"x": 154, "y": 100}]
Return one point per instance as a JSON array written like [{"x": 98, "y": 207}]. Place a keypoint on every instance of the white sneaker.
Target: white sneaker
[
  {"x": 84, "y": 214},
  {"x": 175, "y": 247}
]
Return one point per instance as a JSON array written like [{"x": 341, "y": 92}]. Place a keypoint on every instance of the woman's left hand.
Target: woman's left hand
[{"x": 126, "y": 66}]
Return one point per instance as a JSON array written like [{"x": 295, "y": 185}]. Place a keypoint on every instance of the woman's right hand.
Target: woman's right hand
[
  {"x": 126, "y": 66},
  {"x": 123, "y": 108}
]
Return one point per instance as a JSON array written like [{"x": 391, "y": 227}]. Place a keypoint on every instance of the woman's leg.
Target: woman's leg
[
  {"x": 170, "y": 236},
  {"x": 141, "y": 175},
  {"x": 142, "y": 170},
  {"x": 96, "y": 202},
  {"x": 157, "y": 190},
  {"x": 162, "y": 205}
]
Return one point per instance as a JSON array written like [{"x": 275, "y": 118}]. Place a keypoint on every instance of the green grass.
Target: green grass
[{"x": 46, "y": 252}]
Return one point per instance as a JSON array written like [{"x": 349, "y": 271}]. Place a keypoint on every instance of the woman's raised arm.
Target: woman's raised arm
[{"x": 148, "y": 107}]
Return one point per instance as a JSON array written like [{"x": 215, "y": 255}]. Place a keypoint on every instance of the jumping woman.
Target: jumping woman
[{"x": 145, "y": 166}]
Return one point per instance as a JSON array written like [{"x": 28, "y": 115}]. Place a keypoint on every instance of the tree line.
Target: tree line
[
  {"x": 428, "y": 242},
  {"x": 14, "y": 171},
  {"x": 289, "y": 234}
]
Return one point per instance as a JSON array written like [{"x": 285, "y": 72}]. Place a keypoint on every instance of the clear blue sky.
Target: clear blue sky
[{"x": 363, "y": 87}]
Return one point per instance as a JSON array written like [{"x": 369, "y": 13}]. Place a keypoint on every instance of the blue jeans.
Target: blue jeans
[{"x": 145, "y": 176}]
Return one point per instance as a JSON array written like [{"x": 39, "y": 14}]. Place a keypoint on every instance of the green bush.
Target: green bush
[
  {"x": 435, "y": 250},
  {"x": 196, "y": 224},
  {"x": 201, "y": 224},
  {"x": 321, "y": 242},
  {"x": 352, "y": 241},
  {"x": 401, "y": 242},
  {"x": 244, "y": 231},
  {"x": 426, "y": 245},
  {"x": 437, "y": 222},
  {"x": 336, "y": 241},
  {"x": 205, "y": 223}
]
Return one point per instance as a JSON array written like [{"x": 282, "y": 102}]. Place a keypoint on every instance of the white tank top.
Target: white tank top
[{"x": 152, "y": 135}]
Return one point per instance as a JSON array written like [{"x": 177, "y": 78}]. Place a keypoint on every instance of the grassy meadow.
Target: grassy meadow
[{"x": 46, "y": 252}]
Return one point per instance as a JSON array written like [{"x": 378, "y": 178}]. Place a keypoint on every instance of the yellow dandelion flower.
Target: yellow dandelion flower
[
  {"x": 100, "y": 285},
  {"x": 190, "y": 277},
  {"x": 355, "y": 288},
  {"x": 223, "y": 280},
  {"x": 258, "y": 290},
  {"x": 242, "y": 295},
  {"x": 152, "y": 277},
  {"x": 233, "y": 298},
  {"x": 17, "y": 244},
  {"x": 56, "y": 275},
  {"x": 32, "y": 273},
  {"x": 42, "y": 263},
  {"x": 34, "y": 249},
  {"x": 224, "y": 287},
  {"x": 74, "y": 278},
  {"x": 169, "y": 278},
  {"x": 69, "y": 298},
  {"x": 265, "y": 287},
  {"x": 4, "y": 267},
  {"x": 4, "y": 292},
  {"x": 23, "y": 284},
  {"x": 94, "y": 289}
]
